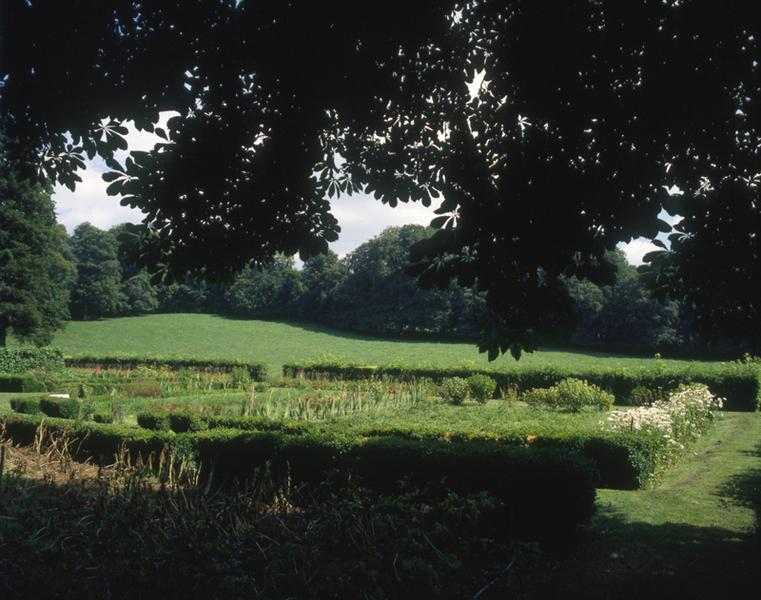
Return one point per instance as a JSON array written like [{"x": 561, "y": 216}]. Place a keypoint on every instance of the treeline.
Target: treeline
[{"x": 365, "y": 291}]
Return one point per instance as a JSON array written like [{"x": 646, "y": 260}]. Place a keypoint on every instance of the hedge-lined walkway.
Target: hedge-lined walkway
[{"x": 690, "y": 536}]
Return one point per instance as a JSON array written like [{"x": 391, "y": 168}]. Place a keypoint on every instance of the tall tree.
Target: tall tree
[
  {"x": 97, "y": 291},
  {"x": 586, "y": 113},
  {"x": 36, "y": 271},
  {"x": 269, "y": 291}
]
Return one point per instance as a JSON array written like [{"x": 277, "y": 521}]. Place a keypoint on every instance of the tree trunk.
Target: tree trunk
[{"x": 3, "y": 335}]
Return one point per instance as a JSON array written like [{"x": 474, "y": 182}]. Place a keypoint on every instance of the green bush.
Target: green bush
[
  {"x": 18, "y": 360},
  {"x": 481, "y": 387},
  {"x": 645, "y": 396},
  {"x": 526, "y": 481},
  {"x": 28, "y": 406},
  {"x": 454, "y": 390},
  {"x": 182, "y": 422},
  {"x": 570, "y": 394},
  {"x": 102, "y": 418},
  {"x": 20, "y": 383},
  {"x": 258, "y": 424},
  {"x": 240, "y": 377},
  {"x": 740, "y": 384},
  {"x": 62, "y": 408},
  {"x": 153, "y": 421}
]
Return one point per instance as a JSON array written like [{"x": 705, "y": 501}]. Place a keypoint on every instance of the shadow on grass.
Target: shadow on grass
[
  {"x": 406, "y": 337},
  {"x": 644, "y": 561},
  {"x": 745, "y": 489}
]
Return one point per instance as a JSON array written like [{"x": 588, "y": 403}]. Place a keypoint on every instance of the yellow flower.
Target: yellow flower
[{"x": 530, "y": 438}]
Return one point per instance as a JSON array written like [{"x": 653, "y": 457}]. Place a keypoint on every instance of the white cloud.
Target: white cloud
[
  {"x": 91, "y": 203},
  {"x": 636, "y": 249},
  {"x": 362, "y": 217}
]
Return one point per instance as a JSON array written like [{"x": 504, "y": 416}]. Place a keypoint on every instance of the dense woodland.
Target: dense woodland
[{"x": 367, "y": 290}]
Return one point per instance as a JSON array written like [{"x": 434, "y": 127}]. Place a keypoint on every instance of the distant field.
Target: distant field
[{"x": 275, "y": 343}]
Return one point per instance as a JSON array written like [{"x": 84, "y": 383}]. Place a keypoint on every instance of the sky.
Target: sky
[{"x": 360, "y": 216}]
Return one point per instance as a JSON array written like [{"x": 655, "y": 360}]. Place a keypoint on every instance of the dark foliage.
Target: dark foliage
[{"x": 591, "y": 110}]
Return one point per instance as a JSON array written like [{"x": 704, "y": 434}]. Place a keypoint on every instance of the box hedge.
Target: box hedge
[
  {"x": 625, "y": 460},
  {"x": 99, "y": 441},
  {"x": 739, "y": 384},
  {"x": 528, "y": 482},
  {"x": 19, "y": 360},
  {"x": 22, "y": 383},
  {"x": 62, "y": 408},
  {"x": 27, "y": 405},
  {"x": 257, "y": 371}
]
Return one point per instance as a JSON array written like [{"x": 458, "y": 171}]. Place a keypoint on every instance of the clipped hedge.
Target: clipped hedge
[
  {"x": 20, "y": 383},
  {"x": 257, "y": 371},
  {"x": 625, "y": 460},
  {"x": 739, "y": 384},
  {"x": 99, "y": 441},
  {"x": 27, "y": 406},
  {"x": 61, "y": 408},
  {"x": 528, "y": 482},
  {"x": 153, "y": 421},
  {"x": 18, "y": 360}
]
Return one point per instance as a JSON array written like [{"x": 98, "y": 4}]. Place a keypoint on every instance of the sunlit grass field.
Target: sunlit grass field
[{"x": 276, "y": 343}]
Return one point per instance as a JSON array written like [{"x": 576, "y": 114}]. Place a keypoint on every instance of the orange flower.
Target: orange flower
[{"x": 530, "y": 439}]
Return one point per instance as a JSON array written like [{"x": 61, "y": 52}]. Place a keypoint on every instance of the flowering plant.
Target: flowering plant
[{"x": 683, "y": 416}]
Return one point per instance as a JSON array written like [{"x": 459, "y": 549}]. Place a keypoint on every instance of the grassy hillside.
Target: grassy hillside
[{"x": 276, "y": 343}]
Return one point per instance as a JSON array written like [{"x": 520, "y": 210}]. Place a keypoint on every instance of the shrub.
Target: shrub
[
  {"x": 18, "y": 360},
  {"x": 240, "y": 377},
  {"x": 62, "y": 408},
  {"x": 570, "y": 394},
  {"x": 20, "y": 383},
  {"x": 646, "y": 396},
  {"x": 258, "y": 424},
  {"x": 454, "y": 390},
  {"x": 186, "y": 421},
  {"x": 28, "y": 406},
  {"x": 481, "y": 387},
  {"x": 153, "y": 421},
  {"x": 681, "y": 418},
  {"x": 102, "y": 418}
]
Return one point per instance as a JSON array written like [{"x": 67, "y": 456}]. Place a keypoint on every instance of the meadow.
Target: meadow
[
  {"x": 431, "y": 483},
  {"x": 278, "y": 343}
]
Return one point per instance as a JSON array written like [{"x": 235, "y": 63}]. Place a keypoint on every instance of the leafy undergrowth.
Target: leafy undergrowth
[
  {"x": 694, "y": 535},
  {"x": 72, "y": 530}
]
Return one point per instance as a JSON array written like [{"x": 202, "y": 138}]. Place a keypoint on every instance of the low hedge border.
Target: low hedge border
[
  {"x": 623, "y": 460},
  {"x": 21, "y": 383},
  {"x": 19, "y": 360},
  {"x": 739, "y": 384},
  {"x": 258, "y": 371},
  {"x": 528, "y": 482}
]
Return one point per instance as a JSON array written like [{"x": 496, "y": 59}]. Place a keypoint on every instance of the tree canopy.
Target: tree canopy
[
  {"x": 587, "y": 119},
  {"x": 36, "y": 269}
]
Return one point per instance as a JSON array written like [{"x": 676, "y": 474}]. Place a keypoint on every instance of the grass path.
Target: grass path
[{"x": 690, "y": 536}]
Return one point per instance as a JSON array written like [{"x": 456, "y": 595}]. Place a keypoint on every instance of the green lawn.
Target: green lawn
[
  {"x": 275, "y": 343},
  {"x": 690, "y": 536}
]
